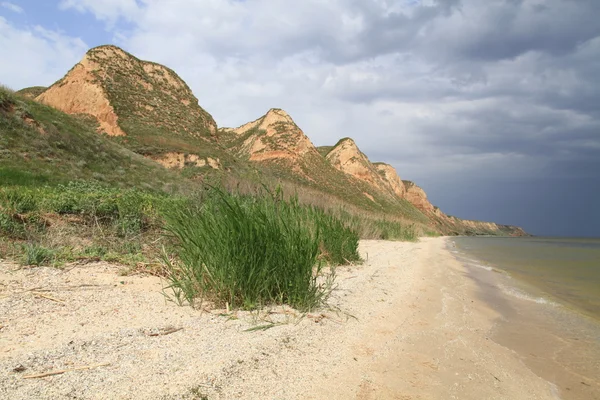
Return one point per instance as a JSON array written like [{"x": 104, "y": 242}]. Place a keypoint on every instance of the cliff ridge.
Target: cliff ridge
[{"x": 128, "y": 95}]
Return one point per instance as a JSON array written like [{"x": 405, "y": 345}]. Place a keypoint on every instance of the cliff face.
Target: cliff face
[
  {"x": 417, "y": 197},
  {"x": 347, "y": 157},
  {"x": 273, "y": 136},
  {"x": 79, "y": 93},
  {"x": 128, "y": 96},
  {"x": 452, "y": 225},
  {"x": 390, "y": 175}
]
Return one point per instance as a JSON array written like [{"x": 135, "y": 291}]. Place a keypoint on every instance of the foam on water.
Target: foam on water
[
  {"x": 514, "y": 292},
  {"x": 486, "y": 267}
]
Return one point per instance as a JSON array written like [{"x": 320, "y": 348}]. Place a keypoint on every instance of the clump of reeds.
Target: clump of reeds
[{"x": 248, "y": 251}]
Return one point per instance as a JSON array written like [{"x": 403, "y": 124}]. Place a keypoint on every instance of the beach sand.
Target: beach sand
[{"x": 407, "y": 324}]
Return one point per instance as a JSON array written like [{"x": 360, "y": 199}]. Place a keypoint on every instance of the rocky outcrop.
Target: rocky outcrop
[
  {"x": 175, "y": 160},
  {"x": 347, "y": 157},
  {"x": 273, "y": 136},
  {"x": 390, "y": 175},
  {"x": 417, "y": 197},
  {"x": 127, "y": 95}
]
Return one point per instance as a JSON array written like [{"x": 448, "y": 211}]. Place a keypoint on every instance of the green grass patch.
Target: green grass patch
[{"x": 84, "y": 221}]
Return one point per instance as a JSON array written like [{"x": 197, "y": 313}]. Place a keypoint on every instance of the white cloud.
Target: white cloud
[
  {"x": 35, "y": 56},
  {"x": 12, "y": 7},
  {"x": 105, "y": 10}
]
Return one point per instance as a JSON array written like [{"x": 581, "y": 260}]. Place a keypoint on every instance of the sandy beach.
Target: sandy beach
[{"x": 406, "y": 324}]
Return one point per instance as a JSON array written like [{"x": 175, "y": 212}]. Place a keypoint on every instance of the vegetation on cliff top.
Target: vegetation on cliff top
[{"x": 32, "y": 92}]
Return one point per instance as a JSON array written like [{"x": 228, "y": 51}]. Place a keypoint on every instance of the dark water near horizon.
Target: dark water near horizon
[{"x": 547, "y": 291}]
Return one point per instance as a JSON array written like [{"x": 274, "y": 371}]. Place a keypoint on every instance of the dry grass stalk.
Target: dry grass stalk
[
  {"x": 38, "y": 294},
  {"x": 62, "y": 371}
]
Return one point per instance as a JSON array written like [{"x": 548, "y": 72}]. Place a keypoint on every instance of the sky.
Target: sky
[{"x": 493, "y": 107}]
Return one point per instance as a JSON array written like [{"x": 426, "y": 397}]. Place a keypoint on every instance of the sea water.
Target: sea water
[{"x": 547, "y": 291}]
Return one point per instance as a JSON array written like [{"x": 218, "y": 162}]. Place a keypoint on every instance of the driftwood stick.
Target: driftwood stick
[
  {"x": 62, "y": 371},
  {"x": 48, "y": 297}
]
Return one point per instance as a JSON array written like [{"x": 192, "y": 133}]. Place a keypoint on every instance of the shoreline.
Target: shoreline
[
  {"x": 556, "y": 339},
  {"x": 407, "y": 324}
]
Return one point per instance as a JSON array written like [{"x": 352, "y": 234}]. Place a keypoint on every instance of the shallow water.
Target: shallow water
[
  {"x": 567, "y": 270},
  {"x": 548, "y": 294}
]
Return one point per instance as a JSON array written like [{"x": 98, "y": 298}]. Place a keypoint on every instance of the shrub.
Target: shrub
[
  {"x": 18, "y": 201},
  {"x": 393, "y": 230}
]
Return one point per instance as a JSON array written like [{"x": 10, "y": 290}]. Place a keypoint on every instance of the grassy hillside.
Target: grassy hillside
[
  {"x": 40, "y": 144},
  {"x": 124, "y": 112},
  {"x": 68, "y": 194},
  {"x": 31, "y": 92}
]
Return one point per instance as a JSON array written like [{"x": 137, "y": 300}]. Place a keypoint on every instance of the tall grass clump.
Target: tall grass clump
[
  {"x": 393, "y": 230},
  {"x": 339, "y": 242},
  {"x": 252, "y": 250}
]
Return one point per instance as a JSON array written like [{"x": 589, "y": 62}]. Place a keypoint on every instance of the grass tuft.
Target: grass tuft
[
  {"x": 251, "y": 251},
  {"x": 34, "y": 254}
]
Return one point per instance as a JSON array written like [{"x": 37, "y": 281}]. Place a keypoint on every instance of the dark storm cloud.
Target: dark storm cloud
[
  {"x": 528, "y": 71},
  {"x": 509, "y": 29}
]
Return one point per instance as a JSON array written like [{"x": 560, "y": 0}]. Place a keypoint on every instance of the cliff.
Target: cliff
[
  {"x": 417, "y": 197},
  {"x": 276, "y": 144},
  {"x": 389, "y": 174},
  {"x": 275, "y": 135},
  {"x": 128, "y": 96},
  {"x": 347, "y": 157}
]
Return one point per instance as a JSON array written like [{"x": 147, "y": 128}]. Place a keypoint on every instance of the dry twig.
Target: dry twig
[
  {"x": 38, "y": 294},
  {"x": 62, "y": 371}
]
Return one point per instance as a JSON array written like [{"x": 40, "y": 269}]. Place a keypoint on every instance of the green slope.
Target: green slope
[{"x": 40, "y": 144}]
